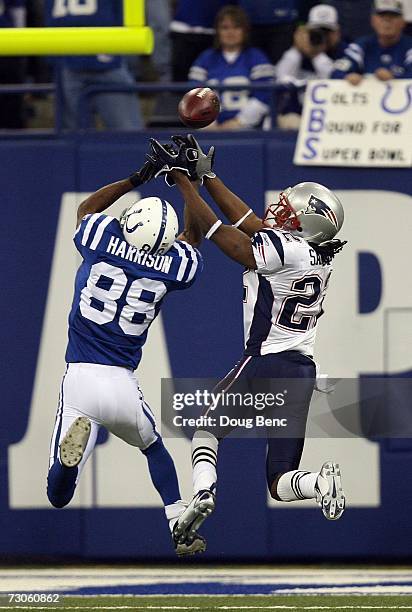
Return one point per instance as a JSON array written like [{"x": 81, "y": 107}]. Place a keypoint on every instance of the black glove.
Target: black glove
[
  {"x": 144, "y": 175},
  {"x": 166, "y": 158},
  {"x": 205, "y": 161}
]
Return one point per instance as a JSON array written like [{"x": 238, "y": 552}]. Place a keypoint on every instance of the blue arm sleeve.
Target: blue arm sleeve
[
  {"x": 90, "y": 232},
  {"x": 190, "y": 265},
  {"x": 408, "y": 63},
  {"x": 199, "y": 70},
  {"x": 261, "y": 71},
  {"x": 351, "y": 61}
]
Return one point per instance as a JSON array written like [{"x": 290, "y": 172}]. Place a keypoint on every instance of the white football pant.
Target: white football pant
[{"x": 108, "y": 396}]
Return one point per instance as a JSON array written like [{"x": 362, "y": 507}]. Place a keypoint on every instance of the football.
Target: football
[{"x": 199, "y": 107}]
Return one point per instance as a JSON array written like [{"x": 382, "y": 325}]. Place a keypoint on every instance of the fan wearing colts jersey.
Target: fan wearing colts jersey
[
  {"x": 287, "y": 256},
  {"x": 128, "y": 267}
]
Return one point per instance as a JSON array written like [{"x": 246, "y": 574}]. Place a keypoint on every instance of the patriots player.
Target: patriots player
[
  {"x": 287, "y": 257},
  {"x": 128, "y": 268}
]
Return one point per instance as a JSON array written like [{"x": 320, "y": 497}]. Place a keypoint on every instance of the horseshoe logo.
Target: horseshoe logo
[{"x": 387, "y": 95}]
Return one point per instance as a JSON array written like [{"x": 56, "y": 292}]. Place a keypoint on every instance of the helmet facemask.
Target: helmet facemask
[
  {"x": 122, "y": 217},
  {"x": 282, "y": 215}
]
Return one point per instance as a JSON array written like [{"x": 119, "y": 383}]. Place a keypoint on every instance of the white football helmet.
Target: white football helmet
[
  {"x": 150, "y": 225},
  {"x": 308, "y": 210}
]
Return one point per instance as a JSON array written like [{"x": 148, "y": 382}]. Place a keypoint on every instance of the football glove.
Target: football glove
[
  {"x": 143, "y": 175},
  {"x": 205, "y": 161},
  {"x": 166, "y": 158}
]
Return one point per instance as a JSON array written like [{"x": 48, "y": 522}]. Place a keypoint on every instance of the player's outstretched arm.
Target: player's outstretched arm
[
  {"x": 106, "y": 196},
  {"x": 233, "y": 207},
  {"x": 238, "y": 213},
  {"x": 192, "y": 232},
  {"x": 103, "y": 198},
  {"x": 230, "y": 240}
]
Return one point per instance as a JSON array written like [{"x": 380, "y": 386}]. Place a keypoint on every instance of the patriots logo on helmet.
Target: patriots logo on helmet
[{"x": 318, "y": 207}]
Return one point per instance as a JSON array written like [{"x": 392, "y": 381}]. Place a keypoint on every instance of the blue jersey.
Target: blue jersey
[
  {"x": 366, "y": 55},
  {"x": 119, "y": 291},
  {"x": 6, "y": 6},
  {"x": 200, "y": 13},
  {"x": 268, "y": 12},
  {"x": 105, "y": 13},
  {"x": 251, "y": 66}
]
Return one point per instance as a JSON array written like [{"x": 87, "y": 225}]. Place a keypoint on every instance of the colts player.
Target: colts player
[
  {"x": 287, "y": 257},
  {"x": 129, "y": 266}
]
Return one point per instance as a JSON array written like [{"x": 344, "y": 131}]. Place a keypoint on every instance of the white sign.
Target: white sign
[{"x": 367, "y": 125}]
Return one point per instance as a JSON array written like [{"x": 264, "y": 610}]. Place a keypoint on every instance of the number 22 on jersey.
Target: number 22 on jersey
[{"x": 301, "y": 310}]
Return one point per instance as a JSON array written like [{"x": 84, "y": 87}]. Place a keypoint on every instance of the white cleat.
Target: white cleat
[
  {"x": 74, "y": 442},
  {"x": 329, "y": 491},
  {"x": 197, "y": 511}
]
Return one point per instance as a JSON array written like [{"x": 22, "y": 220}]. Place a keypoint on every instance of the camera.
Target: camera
[{"x": 318, "y": 36}]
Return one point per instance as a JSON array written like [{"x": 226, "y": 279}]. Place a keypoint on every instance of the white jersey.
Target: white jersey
[{"x": 283, "y": 296}]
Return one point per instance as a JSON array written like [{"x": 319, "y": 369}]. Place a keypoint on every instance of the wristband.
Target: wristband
[
  {"x": 213, "y": 229},
  {"x": 249, "y": 212}
]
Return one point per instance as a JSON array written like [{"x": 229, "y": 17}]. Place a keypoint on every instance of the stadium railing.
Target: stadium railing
[
  {"x": 37, "y": 88},
  {"x": 84, "y": 118},
  {"x": 84, "y": 113}
]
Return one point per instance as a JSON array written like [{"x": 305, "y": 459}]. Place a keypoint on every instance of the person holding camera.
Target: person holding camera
[{"x": 317, "y": 45}]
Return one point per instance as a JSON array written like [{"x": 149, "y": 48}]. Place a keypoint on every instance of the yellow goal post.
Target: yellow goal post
[{"x": 134, "y": 37}]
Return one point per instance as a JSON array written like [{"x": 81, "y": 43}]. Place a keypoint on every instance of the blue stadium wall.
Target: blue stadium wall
[{"x": 203, "y": 331}]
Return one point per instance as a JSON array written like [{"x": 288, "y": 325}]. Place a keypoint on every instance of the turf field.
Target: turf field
[
  {"x": 271, "y": 602},
  {"x": 206, "y": 588}
]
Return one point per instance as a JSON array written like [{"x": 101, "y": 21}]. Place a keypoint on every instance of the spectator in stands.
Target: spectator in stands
[
  {"x": 316, "y": 47},
  {"x": 158, "y": 17},
  {"x": 273, "y": 25},
  {"x": 192, "y": 32},
  {"x": 12, "y": 69},
  {"x": 387, "y": 53},
  {"x": 232, "y": 61},
  {"x": 117, "y": 110},
  {"x": 38, "y": 70}
]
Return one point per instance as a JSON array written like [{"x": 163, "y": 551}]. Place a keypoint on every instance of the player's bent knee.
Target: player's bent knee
[{"x": 154, "y": 447}]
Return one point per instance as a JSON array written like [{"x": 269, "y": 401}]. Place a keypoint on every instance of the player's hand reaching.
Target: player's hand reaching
[
  {"x": 166, "y": 158},
  {"x": 143, "y": 175},
  {"x": 205, "y": 161}
]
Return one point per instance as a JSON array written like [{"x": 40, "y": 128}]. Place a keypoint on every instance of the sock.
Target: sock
[
  {"x": 173, "y": 511},
  {"x": 204, "y": 460},
  {"x": 162, "y": 471},
  {"x": 297, "y": 485},
  {"x": 61, "y": 484}
]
